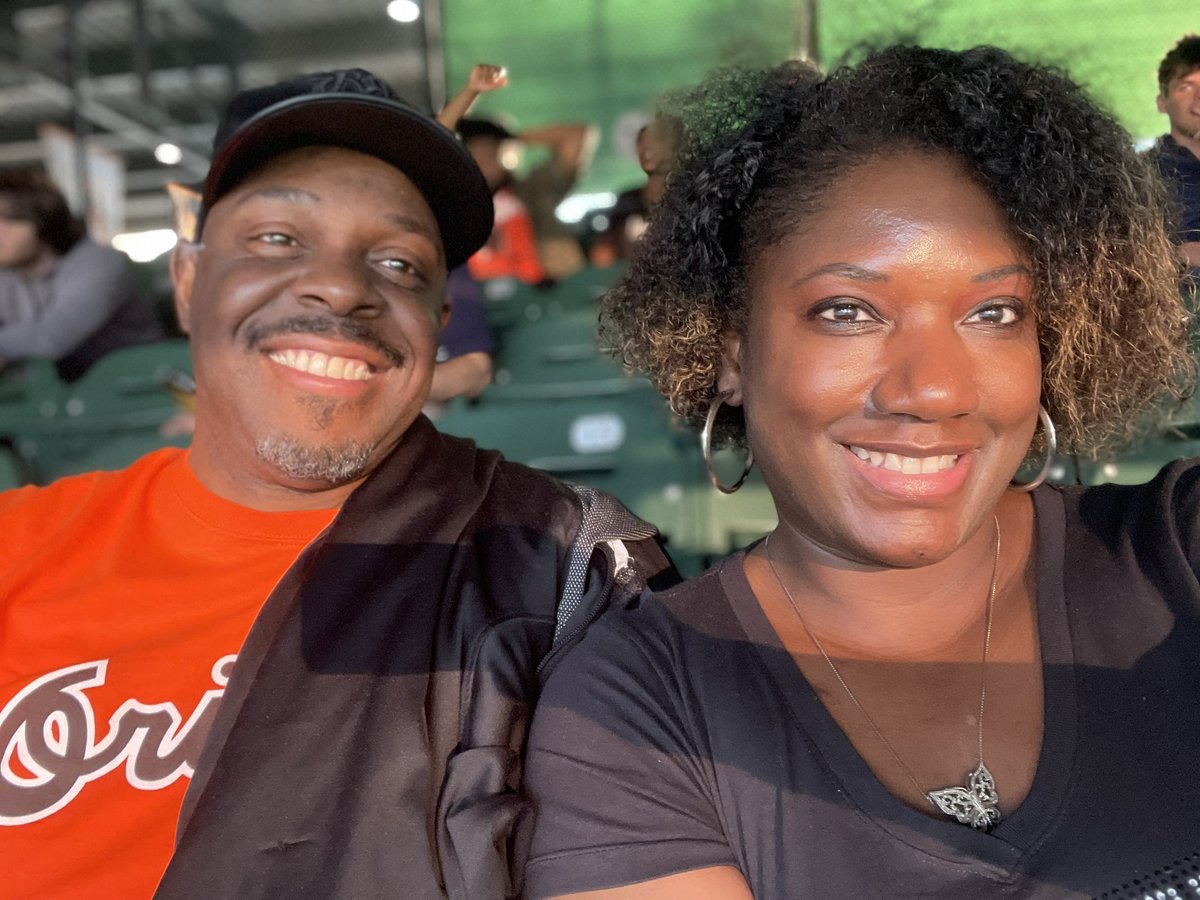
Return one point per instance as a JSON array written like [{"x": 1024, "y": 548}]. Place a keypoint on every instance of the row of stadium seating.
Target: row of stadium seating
[
  {"x": 108, "y": 418},
  {"x": 562, "y": 404}
]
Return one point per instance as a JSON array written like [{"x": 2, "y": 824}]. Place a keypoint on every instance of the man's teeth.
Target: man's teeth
[
  {"x": 907, "y": 465},
  {"x": 321, "y": 364}
]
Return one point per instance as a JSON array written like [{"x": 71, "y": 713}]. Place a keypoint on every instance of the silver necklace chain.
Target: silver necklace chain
[{"x": 975, "y": 804}]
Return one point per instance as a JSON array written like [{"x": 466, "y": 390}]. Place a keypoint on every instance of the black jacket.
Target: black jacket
[{"x": 369, "y": 743}]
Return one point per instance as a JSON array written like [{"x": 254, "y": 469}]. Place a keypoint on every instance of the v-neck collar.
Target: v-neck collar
[{"x": 1009, "y": 848}]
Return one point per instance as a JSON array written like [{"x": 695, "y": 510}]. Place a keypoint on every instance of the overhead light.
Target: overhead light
[
  {"x": 576, "y": 206},
  {"x": 144, "y": 246},
  {"x": 404, "y": 10},
  {"x": 168, "y": 154}
]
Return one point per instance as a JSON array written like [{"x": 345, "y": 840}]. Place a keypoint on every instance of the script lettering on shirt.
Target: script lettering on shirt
[{"x": 48, "y": 730}]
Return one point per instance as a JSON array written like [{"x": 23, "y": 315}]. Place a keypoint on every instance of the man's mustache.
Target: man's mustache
[{"x": 354, "y": 331}]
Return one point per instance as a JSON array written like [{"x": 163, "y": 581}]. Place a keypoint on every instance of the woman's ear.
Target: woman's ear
[{"x": 729, "y": 379}]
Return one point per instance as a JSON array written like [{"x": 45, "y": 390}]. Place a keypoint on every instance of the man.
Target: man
[
  {"x": 325, "y": 621},
  {"x": 464, "y": 356},
  {"x": 63, "y": 297},
  {"x": 525, "y": 207},
  {"x": 467, "y": 345},
  {"x": 1177, "y": 153}
]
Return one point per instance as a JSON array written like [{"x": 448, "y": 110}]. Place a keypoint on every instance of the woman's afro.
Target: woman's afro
[{"x": 1088, "y": 212}]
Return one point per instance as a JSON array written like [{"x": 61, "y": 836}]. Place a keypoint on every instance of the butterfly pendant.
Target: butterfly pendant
[{"x": 974, "y": 805}]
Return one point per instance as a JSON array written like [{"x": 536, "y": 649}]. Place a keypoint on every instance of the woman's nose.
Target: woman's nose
[{"x": 927, "y": 374}]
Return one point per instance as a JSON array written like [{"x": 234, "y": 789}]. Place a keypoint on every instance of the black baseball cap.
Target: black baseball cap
[
  {"x": 489, "y": 128},
  {"x": 352, "y": 108}
]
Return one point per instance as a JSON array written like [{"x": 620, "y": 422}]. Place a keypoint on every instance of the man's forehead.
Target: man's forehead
[
  {"x": 295, "y": 177},
  {"x": 1185, "y": 73}
]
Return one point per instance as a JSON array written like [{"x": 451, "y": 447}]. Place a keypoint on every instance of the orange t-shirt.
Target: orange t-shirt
[
  {"x": 511, "y": 251},
  {"x": 124, "y": 598}
]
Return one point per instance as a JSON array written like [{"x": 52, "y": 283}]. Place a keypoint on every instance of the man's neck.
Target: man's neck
[
  {"x": 1189, "y": 142},
  {"x": 262, "y": 493}
]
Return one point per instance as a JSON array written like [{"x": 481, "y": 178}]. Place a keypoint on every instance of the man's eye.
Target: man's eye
[
  {"x": 277, "y": 239},
  {"x": 399, "y": 265}
]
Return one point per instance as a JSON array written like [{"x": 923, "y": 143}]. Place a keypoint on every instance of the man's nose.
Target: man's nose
[{"x": 339, "y": 283}]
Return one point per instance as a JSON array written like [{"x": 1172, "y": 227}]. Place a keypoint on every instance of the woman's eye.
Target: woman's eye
[
  {"x": 845, "y": 312},
  {"x": 1000, "y": 314}
]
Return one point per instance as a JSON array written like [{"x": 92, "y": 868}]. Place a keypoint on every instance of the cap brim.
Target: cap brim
[{"x": 429, "y": 155}]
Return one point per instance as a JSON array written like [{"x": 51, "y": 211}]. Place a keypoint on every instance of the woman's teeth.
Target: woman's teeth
[
  {"x": 321, "y": 364},
  {"x": 907, "y": 465}
]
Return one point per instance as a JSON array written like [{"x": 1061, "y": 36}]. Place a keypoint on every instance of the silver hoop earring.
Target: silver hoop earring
[
  {"x": 1051, "y": 449},
  {"x": 706, "y": 448}
]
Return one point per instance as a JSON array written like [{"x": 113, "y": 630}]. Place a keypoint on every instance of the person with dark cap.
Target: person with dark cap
[
  {"x": 1177, "y": 153},
  {"x": 63, "y": 297},
  {"x": 529, "y": 242},
  {"x": 299, "y": 658}
]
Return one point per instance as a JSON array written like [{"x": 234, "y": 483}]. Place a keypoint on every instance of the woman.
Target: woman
[{"x": 926, "y": 681}]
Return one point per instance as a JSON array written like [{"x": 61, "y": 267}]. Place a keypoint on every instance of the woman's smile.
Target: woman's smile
[{"x": 911, "y": 477}]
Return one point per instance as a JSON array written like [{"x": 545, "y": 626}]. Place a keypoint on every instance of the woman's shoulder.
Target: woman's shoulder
[
  {"x": 1142, "y": 528},
  {"x": 659, "y": 633},
  {"x": 1173, "y": 495},
  {"x": 703, "y": 605}
]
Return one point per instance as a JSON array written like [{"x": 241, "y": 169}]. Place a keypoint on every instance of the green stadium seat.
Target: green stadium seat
[
  {"x": 618, "y": 436},
  {"x": 105, "y": 420}
]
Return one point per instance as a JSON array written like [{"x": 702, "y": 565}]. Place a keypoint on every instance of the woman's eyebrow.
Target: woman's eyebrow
[
  {"x": 846, "y": 270},
  {"x": 1002, "y": 272}
]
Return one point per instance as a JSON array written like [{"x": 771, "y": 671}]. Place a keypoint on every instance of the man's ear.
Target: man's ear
[
  {"x": 183, "y": 275},
  {"x": 444, "y": 316},
  {"x": 729, "y": 379},
  {"x": 1162, "y": 102}
]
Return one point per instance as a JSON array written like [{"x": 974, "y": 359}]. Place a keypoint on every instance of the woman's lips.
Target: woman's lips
[
  {"x": 932, "y": 476},
  {"x": 908, "y": 465}
]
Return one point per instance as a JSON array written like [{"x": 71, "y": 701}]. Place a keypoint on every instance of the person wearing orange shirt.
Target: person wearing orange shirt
[{"x": 298, "y": 658}]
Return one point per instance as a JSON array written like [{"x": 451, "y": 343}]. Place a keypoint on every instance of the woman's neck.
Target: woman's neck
[{"x": 930, "y": 612}]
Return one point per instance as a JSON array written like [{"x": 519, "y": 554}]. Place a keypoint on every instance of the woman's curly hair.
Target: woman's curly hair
[{"x": 1087, "y": 210}]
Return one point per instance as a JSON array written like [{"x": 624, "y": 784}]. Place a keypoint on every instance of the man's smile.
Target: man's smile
[
  {"x": 361, "y": 343},
  {"x": 317, "y": 363}
]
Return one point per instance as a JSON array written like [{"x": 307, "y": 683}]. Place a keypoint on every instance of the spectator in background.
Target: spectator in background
[
  {"x": 1177, "y": 153},
  {"x": 464, "y": 355},
  {"x": 524, "y": 206},
  {"x": 511, "y": 251},
  {"x": 657, "y": 142},
  {"x": 63, "y": 297}
]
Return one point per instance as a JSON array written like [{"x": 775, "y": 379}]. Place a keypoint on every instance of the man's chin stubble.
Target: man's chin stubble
[{"x": 336, "y": 465}]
